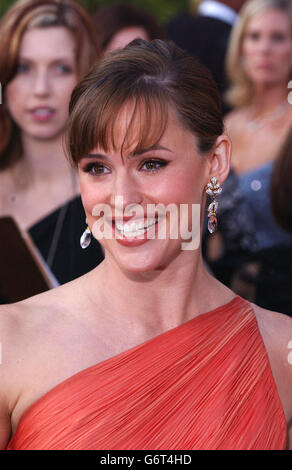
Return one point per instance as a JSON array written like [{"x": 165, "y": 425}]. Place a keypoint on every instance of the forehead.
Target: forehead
[
  {"x": 270, "y": 20},
  {"x": 132, "y": 127},
  {"x": 133, "y": 133},
  {"x": 47, "y": 43}
]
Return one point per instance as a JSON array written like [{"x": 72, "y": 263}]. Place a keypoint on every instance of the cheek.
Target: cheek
[
  {"x": 90, "y": 196},
  {"x": 285, "y": 53},
  {"x": 246, "y": 49},
  {"x": 15, "y": 94},
  {"x": 64, "y": 89},
  {"x": 86, "y": 194},
  {"x": 184, "y": 187}
]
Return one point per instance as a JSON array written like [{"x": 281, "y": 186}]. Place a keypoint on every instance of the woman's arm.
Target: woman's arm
[{"x": 6, "y": 327}]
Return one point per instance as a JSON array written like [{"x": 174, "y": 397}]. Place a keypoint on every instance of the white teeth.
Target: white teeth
[
  {"x": 42, "y": 111},
  {"x": 134, "y": 229}
]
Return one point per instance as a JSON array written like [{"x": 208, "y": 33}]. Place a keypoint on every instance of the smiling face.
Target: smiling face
[
  {"x": 267, "y": 48},
  {"x": 38, "y": 95},
  {"x": 170, "y": 172}
]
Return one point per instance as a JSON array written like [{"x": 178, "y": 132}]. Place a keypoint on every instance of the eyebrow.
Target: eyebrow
[
  {"x": 136, "y": 154},
  {"x": 55, "y": 60}
]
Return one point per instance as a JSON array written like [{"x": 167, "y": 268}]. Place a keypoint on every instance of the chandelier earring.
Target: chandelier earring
[
  {"x": 85, "y": 238},
  {"x": 213, "y": 189}
]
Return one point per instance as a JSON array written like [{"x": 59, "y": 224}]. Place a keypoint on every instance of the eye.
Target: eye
[
  {"x": 96, "y": 169},
  {"x": 254, "y": 36},
  {"x": 278, "y": 37},
  {"x": 153, "y": 165},
  {"x": 64, "y": 69},
  {"x": 22, "y": 68}
]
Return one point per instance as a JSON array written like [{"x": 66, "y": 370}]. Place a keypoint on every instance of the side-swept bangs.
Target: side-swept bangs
[
  {"x": 147, "y": 78},
  {"x": 94, "y": 122}
]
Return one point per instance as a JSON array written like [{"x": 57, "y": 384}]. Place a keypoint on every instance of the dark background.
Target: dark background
[{"x": 162, "y": 9}]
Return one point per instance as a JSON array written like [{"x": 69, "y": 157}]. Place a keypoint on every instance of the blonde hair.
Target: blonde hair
[
  {"x": 241, "y": 90},
  {"x": 28, "y": 14}
]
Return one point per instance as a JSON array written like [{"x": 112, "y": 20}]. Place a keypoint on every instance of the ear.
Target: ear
[{"x": 219, "y": 158}]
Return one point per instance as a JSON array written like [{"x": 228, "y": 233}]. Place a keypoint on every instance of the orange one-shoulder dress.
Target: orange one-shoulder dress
[{"x": 206, "y": 384}]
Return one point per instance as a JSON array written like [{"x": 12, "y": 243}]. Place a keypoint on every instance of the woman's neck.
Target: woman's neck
[
  {"x": 266, "y": 99},
  {"x": 160, "y": 300}
]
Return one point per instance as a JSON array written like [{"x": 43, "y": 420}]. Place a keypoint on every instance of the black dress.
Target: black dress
[{"x": 58, "y": 239}]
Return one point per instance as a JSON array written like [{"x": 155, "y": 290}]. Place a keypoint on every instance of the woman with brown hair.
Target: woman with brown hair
[
  {"x": 148, "y": 350},
  {"x": 46, "y": 48},
  {"x": 120, "y": 23}
]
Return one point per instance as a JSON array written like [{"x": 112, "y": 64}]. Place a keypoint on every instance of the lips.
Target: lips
[
  {"x": 42, "y": 113},
  {"x": 134, "y": 232},
  {"x": 265, "y": 66}
]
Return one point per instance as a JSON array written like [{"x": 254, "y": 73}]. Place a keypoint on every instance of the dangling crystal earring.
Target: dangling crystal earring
[
  {"x": 85, "y": 238},
  {"x": 213, "y": 188}
]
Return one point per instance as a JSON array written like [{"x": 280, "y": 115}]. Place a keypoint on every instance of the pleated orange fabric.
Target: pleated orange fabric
[{"x": 206, "y": 384}]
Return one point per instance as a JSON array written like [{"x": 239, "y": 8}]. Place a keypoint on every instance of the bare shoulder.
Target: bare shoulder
[
  {"x": 276, "y": 331},
  {"x": 21, "y": 325},
  {"x": 26, "y": 328},
  {"x": 45, "y": 339},
  {"x": 274, "y": 325}
]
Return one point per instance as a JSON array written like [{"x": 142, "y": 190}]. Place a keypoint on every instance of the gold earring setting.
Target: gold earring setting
[{"x": 213, "y": 189}]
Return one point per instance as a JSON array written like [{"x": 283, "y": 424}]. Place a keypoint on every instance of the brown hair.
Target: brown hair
[
  {"x": 29, "y": 14},
  {"x": 281, "y": 188},
  {"x": 113, "y": 18},
  {"x": 152, "y": 76}
]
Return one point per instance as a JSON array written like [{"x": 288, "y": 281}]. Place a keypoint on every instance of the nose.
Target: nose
[
  {"x": 41, "y": 83},
  {"x": 125, "y": 192},
  {"x": 265, "y": 45}
]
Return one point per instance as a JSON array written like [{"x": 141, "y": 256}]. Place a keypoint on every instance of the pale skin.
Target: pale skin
[
  {"x": 266, "y": 52},
  {"x": 42, "y": 180},
  {"x": 50, "y": 337}
]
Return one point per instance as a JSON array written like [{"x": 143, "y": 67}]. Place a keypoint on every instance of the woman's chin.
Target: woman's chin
[
  {"x": 138, "y": 265},
  {"x": 138, "y": 260}
]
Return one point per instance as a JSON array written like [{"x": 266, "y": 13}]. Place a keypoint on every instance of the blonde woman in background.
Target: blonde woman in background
[{"x": 259, "y": 62}]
